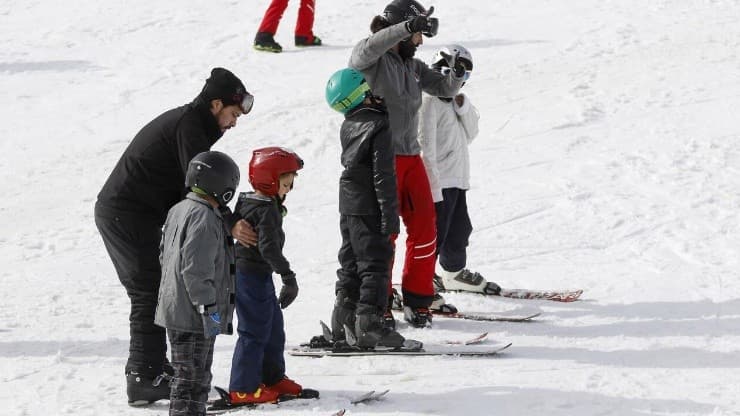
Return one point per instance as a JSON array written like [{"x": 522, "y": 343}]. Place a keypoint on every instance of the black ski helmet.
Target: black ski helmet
[
  {"x": 399, "y": 11},
  {"x": 214, "y": 173}
]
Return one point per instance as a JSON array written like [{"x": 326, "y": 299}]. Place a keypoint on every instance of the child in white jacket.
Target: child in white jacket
[{"x": 446, "y": 127}]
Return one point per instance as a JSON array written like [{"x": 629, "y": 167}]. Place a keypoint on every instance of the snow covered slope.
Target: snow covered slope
[{"x": 608, "y": 160}]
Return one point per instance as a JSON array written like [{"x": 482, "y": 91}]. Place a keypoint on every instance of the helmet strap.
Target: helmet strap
[{"x": 198, "y": 191}]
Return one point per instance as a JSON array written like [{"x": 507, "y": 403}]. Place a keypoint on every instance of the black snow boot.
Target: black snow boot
[
  {"x": 265, "y": 42},
  {"x": 143, "y": 389},
  {"x": 343, "y": 314},
  {"x": 417, "y": 317},
  {"x": 370, "y": 332}
]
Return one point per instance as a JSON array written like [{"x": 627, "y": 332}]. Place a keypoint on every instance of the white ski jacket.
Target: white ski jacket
[{"x": 445, "y": 131}]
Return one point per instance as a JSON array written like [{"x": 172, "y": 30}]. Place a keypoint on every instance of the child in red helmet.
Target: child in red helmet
[{"x": 258, "y": 366}]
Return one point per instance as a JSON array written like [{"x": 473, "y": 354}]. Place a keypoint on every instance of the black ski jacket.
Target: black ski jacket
[
  {"x": 265, "y": 215},
  {"x": 150, "y": 176},
  {"x": 367, "y": 185}
]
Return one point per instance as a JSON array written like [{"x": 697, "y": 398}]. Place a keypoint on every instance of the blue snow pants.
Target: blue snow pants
[{"x": 258, "y": 355}]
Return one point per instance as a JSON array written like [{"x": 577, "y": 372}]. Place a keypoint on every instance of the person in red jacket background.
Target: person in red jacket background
[{"x": 265, "y": 39}]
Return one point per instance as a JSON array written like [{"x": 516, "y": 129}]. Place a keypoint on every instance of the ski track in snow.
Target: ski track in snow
[{"x": 607, "y": 160}]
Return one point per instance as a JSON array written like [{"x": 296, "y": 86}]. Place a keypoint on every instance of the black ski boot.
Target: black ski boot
[
  {"x": 417, "y": 317},
  {"x": 343, "y": 314},
  {"x": 144, "y": 389},
  {"x": 394, "y": 302},
  {"x": 370, "y": 332},
  {"x": 265, "y": 42}
]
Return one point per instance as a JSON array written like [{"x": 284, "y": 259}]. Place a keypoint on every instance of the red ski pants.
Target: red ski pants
[
  {"x": 419, "y": 218},
  {"x": 304, "y": 26}
]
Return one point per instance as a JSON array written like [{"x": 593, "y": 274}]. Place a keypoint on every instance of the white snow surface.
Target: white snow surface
[{"x": 608, "y": 160}]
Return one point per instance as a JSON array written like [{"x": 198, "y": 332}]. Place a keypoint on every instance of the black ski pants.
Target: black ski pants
[
  {"x": 192, "y": 357},
  {"x": 365, "y": 258},
  {"x": 132, "y": 243},
  {"x": 453, "y": 229}
]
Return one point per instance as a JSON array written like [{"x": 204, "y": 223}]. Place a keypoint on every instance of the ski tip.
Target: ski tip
[
  {"x": 222, "y": 393},
  {"x": 363, "y": 397},
  {"x": 326, "y": 331},
  {"x": 339, "y": 413},
  {"x": 349, "y": 335}
]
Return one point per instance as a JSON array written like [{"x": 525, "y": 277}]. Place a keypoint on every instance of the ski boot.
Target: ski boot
[
  {"x": 143, "y": 390},
  {"x": 286, "y": 386},
  {"x": 466, "y": 281},
  {"x": 265, "y": 42},
  {"x": 370, "y": 332},
  {"x": 394, "y": 302},
  {"x": 439, "y": 305},
  {"x": 261, "y": 395},
  {"x": 306, "y": 41},
  {"x": 343, "y": 314},
  {"x": 417, "y": 317}
]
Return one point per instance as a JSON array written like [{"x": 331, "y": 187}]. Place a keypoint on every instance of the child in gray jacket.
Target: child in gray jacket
[{"x": 196, "y": 295}]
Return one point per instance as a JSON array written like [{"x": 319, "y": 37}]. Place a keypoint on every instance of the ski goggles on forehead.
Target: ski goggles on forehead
[
  {"x": 445, "y": 71},
  {"x": 245, "y": 101}
]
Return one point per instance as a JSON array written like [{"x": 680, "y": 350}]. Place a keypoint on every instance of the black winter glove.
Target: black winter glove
[
  {"x": 426, "y": 25},
  {"x": 289, "y": 291},
  {"x": 452, "y": 62}
]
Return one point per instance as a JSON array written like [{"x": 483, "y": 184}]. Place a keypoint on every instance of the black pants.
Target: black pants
[
  {"x": 133, "y": 246},
  {"x": 192, "y": 356},
  {"x": 453, "y": 229},
  {"x": 365, "y": 258}
]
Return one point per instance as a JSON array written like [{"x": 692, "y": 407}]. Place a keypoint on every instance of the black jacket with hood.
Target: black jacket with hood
[
  {"x": 367, "y": 185},
  {"x": 150, "y": 176}
]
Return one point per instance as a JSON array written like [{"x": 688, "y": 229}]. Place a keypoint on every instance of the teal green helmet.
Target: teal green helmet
[{"x": 346, "y": 90}]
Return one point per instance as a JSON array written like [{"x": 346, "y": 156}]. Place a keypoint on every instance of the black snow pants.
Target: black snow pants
[
  {"x": 365, "y": 257},
  {"x": 132, "y": 243},
  {"x": 453, "y": 229}
]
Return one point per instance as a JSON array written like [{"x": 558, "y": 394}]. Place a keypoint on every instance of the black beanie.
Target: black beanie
[{"x": 223, "y": 85}]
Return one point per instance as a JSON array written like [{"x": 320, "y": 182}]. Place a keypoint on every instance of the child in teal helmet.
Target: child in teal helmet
[{"x": 368, "y": 207}]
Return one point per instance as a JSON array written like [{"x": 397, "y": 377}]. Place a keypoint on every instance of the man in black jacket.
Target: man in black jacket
[
  {"x": 368, "y": 207},
  {"x": 133, "y": 204}
]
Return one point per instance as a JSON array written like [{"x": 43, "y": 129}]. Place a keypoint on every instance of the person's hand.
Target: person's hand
[
  {"x": 459, "y": 100},
  {"x": 244, "y": 233},
  {"x": 211, "y": 322},
  {"x": 426, "y": 25},
  {"x": 452, "y": 62},
  {"x": 289, "y": 291}
]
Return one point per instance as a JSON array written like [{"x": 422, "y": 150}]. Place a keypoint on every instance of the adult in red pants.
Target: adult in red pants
[
  {"x": 419, "y": 218},
  {"x": 386, "y": 60},
  {"x": 265, "y": 39}
]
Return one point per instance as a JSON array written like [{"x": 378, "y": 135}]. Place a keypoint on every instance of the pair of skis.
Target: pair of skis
[
  {"x": 506, "y": 316},
  {"x": 363, "y": 398},
  {"x": 492, "y": 289},
  {"x": 324, "y": 346},
  {"x": 223, "y": 404}
]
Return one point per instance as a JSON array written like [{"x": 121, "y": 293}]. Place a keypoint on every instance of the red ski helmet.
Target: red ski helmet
[{"x": 268, "y": 163}]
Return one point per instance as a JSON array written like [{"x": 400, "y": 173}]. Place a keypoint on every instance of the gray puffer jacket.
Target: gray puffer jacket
[
  {"x": 400, "y": 82},
  {"x": 197, "y": 259}
]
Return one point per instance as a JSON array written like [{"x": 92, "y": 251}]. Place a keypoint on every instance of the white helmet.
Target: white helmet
[{"x": 439, "y": 60}]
